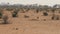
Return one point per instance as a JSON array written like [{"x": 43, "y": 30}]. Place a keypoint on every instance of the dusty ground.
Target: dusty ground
[{"x": 21, "y": 25}]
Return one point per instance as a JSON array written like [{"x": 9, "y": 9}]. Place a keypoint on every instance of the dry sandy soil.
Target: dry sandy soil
[{"x": 21, "y": 25}]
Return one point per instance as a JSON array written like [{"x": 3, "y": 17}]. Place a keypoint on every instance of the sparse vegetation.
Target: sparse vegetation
[
  {"x": 9, "y": 9},
  {"x": 25, "y": 8},
  {"x": 55, "y": 17},
  {"x": 22, "y": 10}
]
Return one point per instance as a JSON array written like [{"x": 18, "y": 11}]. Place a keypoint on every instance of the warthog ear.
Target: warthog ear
[{"x": 9, "y": 9}]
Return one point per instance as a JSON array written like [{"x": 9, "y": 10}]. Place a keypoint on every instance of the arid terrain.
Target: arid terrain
[{"x": 31, "y": 22}]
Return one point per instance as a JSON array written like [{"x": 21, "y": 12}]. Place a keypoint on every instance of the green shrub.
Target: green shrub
[
  {"x": 0, "y": 15},
  {"x": 14, "y": 14},
  {"x": 45, "y": 14}
]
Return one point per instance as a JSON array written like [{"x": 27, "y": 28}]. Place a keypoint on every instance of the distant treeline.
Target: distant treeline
[{"x": 33, "y": 6}]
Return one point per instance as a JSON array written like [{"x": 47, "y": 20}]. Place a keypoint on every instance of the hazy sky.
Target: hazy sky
[{"x": 43, "y": 2}]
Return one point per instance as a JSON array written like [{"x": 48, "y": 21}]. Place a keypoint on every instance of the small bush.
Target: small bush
[
  {"x": 5, "y": 19},
  {"x": 14, "y": 14},
  {"x": 45, "y": 14}
]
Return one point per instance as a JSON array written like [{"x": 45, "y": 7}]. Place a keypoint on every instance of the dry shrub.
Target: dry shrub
[
  {"x": 9, "y": 9},
  {"x": 14, "y": 14},
  {"x": 5, "y": 19},
  {"x": 55, "y": 17}
]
